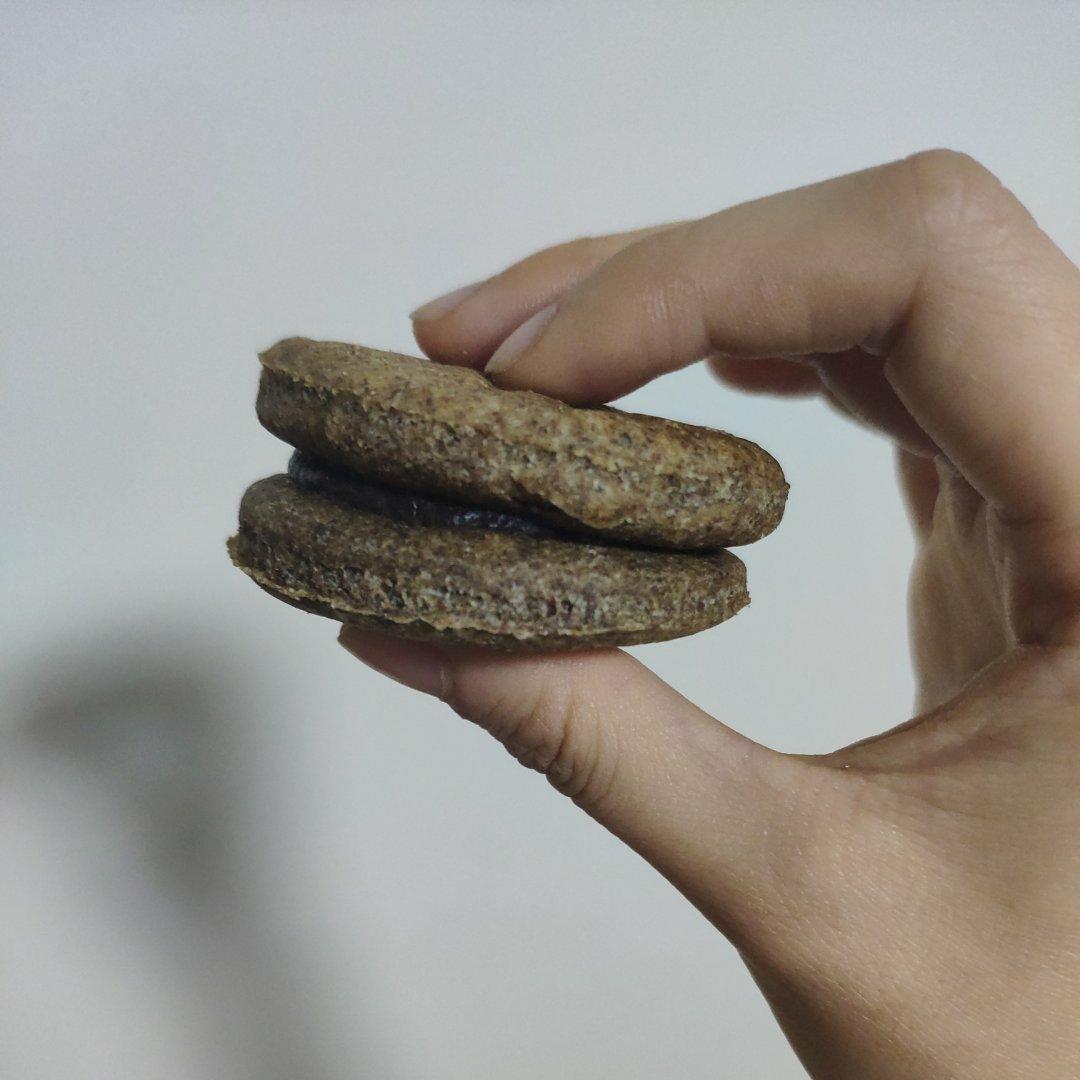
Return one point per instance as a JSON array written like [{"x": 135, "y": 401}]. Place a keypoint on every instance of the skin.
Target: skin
[{"x": 909, "y": 905}]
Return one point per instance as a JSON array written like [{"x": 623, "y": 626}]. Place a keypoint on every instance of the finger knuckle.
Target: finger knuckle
[
  {"x": 545, "y": 733},
  {"x": 958, "y": 198},
  {"x": 546, "y": 726}
]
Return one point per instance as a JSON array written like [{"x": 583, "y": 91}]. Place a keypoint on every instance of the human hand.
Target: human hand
[{"x": 910, "y": 905}]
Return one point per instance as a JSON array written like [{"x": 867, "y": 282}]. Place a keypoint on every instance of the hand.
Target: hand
[{"x": 910, "y": 905}]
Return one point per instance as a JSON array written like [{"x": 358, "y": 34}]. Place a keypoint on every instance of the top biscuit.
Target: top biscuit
[{"x": 448, "y": 431}]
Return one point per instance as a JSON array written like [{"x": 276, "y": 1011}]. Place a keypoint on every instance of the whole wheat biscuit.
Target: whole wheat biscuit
[
  {"x": 446, "y": 430},
  {"x": 474, "y": 585}
]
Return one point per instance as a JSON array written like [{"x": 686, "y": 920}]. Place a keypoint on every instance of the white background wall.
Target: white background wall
[{"x": 226, "y": 849}]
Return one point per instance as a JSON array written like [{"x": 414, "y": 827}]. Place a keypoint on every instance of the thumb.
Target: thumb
[{"x": 709, "y": 808}]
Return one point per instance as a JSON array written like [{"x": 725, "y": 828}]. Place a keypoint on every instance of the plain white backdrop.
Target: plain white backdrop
[{"x": 229, "y": 851}]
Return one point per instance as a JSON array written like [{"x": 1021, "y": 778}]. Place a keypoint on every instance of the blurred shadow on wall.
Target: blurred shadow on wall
[{"x": 151, "y": 714}]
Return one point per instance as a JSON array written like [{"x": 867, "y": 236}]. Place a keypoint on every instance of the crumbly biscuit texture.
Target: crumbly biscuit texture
[
  {"x": 447, "y": 430},
  {"x": 474, "y": 586}
]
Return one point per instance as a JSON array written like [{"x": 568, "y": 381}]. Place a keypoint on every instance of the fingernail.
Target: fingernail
[
  {"x": 524, "y": 336},
  {"x": 414, "y": 664},
  {"x": 443, "y": 305}
]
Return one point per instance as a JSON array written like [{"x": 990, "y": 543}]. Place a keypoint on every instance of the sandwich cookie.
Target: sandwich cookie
[{"x": 425, "y": 502}]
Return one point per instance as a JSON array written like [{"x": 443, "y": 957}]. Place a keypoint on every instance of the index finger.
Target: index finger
[{"x": 928, "y": 261}]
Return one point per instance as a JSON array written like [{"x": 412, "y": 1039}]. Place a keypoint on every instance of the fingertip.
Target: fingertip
[
  {"x": 443, "y": 305},
  {"x": 418, "y": 665},
  {"x": 474, "y": 331},
  {"x": 447, "y": 341},
  {"x": 513, "y": 349},
  {"x": 469, "y": 325}
]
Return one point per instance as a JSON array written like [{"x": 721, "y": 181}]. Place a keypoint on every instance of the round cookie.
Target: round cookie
[
  {"x": 446, "y": 430},
  {"x": 469, "y": 585}
]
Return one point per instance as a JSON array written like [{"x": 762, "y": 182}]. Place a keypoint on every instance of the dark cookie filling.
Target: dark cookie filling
[{"x": 409, "y": 508}]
